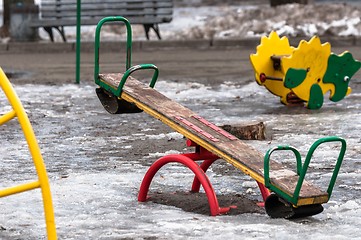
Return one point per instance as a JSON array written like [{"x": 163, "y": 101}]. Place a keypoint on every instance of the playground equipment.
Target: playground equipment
[
  {"x": 42, "y": 182},
  {"x": 285, "y": 193},
  {"x": 303, "y": 74}
]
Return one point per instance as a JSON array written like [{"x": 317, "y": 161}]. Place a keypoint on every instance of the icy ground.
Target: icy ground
[{"x": 95, "y": 168}]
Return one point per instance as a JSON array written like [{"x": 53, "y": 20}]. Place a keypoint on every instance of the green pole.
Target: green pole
[{"x": 78, "y": 24}]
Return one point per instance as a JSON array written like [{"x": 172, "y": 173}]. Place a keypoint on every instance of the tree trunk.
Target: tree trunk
[
  {"x": 4, "y": 29},
  {"x": 247, "y": 131},
  {"x": 280, "y": 2}
]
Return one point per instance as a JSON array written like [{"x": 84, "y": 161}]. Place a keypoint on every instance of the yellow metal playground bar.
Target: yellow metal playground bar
[{"x": 42, "y": 182}]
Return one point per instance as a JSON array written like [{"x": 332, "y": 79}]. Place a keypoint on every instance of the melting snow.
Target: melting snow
[
  {"x": 99, "y": 202},
  {"x": 225, "y": 22}
]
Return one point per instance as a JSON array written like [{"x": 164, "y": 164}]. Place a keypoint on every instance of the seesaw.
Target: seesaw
[
  {"x": 286, "y": 193},
  {"x": 303, "y": 74}
]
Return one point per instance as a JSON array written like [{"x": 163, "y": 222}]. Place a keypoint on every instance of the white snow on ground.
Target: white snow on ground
[
  {"x": 289, "y": 20},
  {"x": 225, "y": 22},
  {"x": 96, "y": 203}
]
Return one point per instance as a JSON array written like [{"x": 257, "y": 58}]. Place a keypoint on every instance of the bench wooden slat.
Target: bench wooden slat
[
  {"x": 113, "y": 7},
  {"x": 88, "y": 3},
  {"x": 158, "y": 18},
  {"x": 112, "y": 11},
  {"x": 106, "y": 12},
  {"x": 84, "y": 2},
  {"x": 235, "y": 152},
  {"x": 107, "y": 7},
  {"x": 90, "y": 21}
]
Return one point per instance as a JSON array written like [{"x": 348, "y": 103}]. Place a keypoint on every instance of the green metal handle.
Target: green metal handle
[
  {"x": 134, "y": 69},
  {"x": 97, "y": 43},
  {"x": 302, "y": 170},
  {"x": 338, "y": 162},
  {"x": 267, "y": 162}
]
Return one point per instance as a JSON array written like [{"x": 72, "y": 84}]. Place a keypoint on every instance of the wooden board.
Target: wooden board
[{"x": 212, "y": 138}]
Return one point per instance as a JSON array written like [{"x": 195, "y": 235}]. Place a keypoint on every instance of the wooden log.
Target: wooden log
[
  {"x": 275, "y": 3},
  {"x": 247, "y": 131}
]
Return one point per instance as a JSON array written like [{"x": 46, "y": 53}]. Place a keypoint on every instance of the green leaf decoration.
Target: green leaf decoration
[
  {"x": 294, "y": 77},
  {"x": 316, "y": 97}
]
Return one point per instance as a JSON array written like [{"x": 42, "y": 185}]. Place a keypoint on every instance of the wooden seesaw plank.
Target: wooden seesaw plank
[{"x": 212, "y": 138}]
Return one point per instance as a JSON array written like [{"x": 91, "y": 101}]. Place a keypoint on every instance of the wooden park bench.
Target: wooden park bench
[{"x": 61, "y": 13}]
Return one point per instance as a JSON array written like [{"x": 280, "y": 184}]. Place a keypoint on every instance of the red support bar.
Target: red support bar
[
  {"x": 204, "y": 166},
  {"x": 265, "y": 193},
  {"x": 188, "y": 162}
]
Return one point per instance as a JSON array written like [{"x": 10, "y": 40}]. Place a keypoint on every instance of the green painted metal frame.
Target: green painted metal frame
[
  {"x": 128, "y": 62},
  {"x": 129, "y": 69},
  {"x": 78, "y": 36},
  {"x": 117, "y": 92},
  {"x": 301, "y": 170},
  {"x": 136, "y": 68}
]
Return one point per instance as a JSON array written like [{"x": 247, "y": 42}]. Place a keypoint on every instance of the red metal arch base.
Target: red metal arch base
[
  {"x": 188, "y": 160},
  {"x": 196, "y": 169}
]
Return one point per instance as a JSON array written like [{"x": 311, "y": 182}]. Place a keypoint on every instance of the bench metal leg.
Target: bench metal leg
[
  {"x": 60, "y": 29},
  {"x": 62, "y": 32},
  {"x": 155, "y": 27},
  {"x": 49, "y": 30}
]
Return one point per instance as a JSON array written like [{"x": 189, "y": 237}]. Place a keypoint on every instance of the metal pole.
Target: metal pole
[{"x": 78, "y": 25}]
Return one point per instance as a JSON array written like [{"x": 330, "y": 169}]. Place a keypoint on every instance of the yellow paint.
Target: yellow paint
[
  {"x": 20, "y": 188},
  {"x": 262, "y": 63},
  {"x": 310, "y": 201},
  {"x": 311, "y": 55},
  {"x": 7, "y": 117},
  {"x": 43, "y": 181}
]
